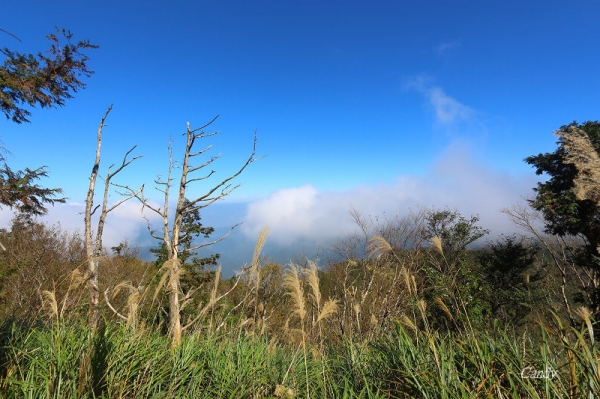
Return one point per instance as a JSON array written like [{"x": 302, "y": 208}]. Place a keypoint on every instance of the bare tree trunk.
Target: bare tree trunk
[
  {"x": 93, "y": 244},
  {"x": 89, "y": 242},
  {"x": 174, "y": 304},
  {"x": 172, "y": 238}
]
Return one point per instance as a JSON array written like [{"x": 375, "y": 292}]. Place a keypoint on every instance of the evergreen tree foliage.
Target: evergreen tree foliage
[
  {"x": 18, "y": 190},
  {"x": 556, "y": 198},
  {"x": 507, "y": 266},
  {"x": 46, "y": 79},
  {"x": 454, "y": 231},
  {"x": 192, "y": 228}
]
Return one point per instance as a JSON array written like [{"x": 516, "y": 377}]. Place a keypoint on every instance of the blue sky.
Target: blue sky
[{"x": 381, "y": 105}]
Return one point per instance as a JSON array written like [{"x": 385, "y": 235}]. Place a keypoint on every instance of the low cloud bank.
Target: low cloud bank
[
  {"x": 125, "y": 222},
  {"x": 304, "y": 220},
  {"x": 456, "y": 181}
]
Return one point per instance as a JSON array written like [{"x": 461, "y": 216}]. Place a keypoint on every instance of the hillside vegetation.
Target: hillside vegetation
[{"x": 410, "y": 312}]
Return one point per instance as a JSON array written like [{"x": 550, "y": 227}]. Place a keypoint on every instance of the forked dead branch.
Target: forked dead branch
[
  {"x": 93, "y": 243},
  {"x": 172, "y": 234}
]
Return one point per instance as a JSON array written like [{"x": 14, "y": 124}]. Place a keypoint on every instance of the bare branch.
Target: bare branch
[
  {"x": 91, "y": 249},
  {"x": 95, "y": 209},
  {"x": 203, "y": 151},
  {"x": 151, "y": 230},
  {"x": 125, "y": 163},
  {"x": 224, "y": 182},
  {"x": 139, "y": 195},
  {"x": 111, "y": 306},
  {"x": 176, "y": 240},
  {"x": 195, "y": 248},
  {"x": 204, "y": 165},
  {"x": 200, "y": 178},
  {"x": 121, "y": 202},
  {"x": 211, "y": 303},
  {"x": 208, "y": 201},
  {"x": 105, "y": 209},
  {"x": 94, "y": 244},
  {"x": 206, "y": 125},
  {"x": 10, "y": 34}
]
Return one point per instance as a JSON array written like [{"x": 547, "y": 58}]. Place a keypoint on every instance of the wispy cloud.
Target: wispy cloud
[
  {"x": 447, "y": 109},
  {"x": 446, "y": 47}
]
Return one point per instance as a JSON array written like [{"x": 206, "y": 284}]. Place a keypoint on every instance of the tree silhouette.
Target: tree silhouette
[{"x": 46, "y": 79}]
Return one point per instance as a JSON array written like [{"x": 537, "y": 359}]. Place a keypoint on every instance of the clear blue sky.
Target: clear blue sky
[{"x": 382, "y": 105}]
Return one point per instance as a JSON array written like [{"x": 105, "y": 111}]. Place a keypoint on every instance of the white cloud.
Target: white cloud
[
  {"x": 456, "y": 181},
  {"x": 291, "y": 213},
  {"x": 447, "y": 109},
  {"x": 124, "y": 222},
  {"x": 305, "y": 215},
  {"x": 445, "y": 47}
]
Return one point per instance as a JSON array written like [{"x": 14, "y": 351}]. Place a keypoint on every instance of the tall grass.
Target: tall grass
[
  {"x": 45, "y": 362},
  {"x": 55, "y": 361},
  {"x": 497, "y": 363},
  {"x": 64, "y": 358}
]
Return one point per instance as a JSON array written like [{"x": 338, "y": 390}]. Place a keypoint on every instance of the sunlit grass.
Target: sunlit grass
[
  {"x": 303, "y": 353},
  {"x": 57, "y": 362}
]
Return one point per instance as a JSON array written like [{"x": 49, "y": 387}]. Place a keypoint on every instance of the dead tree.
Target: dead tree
[
  {"x": 171, "y": 233},
  {"x": 93, "y": 243}
]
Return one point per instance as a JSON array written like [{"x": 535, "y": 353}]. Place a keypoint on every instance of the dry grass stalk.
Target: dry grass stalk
[
  {"x": 122, "y": 286},
  {"x": 582, "y": 154},
  {"x": 254, "y": 272},
  {"x": 422, "y": 305},
  {"x": 49, "y": 301},
  {"x": 295, "y": 335},
  {"x": 312, "y": 278},
  {"x": 586, "y": 315},
  {"x": 330, "y": 308},
  {"x": 374, "y": 320},
  {"x": 133, "y": 301},
  {"x": 378, "y": 246},
  {"x": 164, "y": 272},
  {"x": 252, "y": 275},
  {"x": 408, "y": 322},
  {"x": 292, "y": 281},
  {"x": 215, "y": 290},
  {"x": 212, "y": 301},
  {"x": 408, "y": 281},
  {"x": 260, "y": 243},
  {"x": 284, "y": 392},
  {"x": 442, "y": 305},
  {"x": 168, "y": 275},
  {"x": 437, "y": 244},
  {"x": 77, "y": 279}
]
